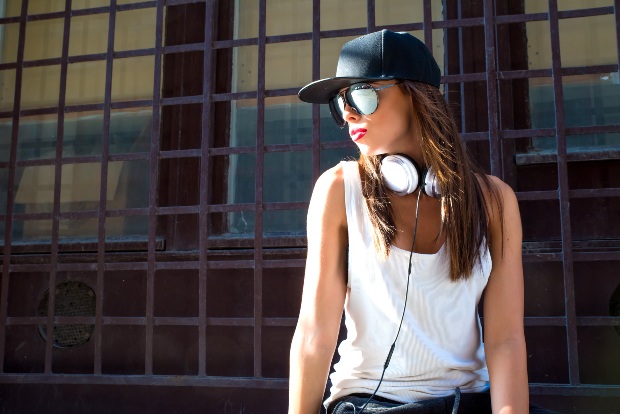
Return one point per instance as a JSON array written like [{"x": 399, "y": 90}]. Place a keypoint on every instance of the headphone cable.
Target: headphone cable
[{"x": 389, "y": 357}]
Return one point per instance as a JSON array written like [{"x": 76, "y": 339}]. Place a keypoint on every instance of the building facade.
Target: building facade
[{"x": 156, "y": 168}]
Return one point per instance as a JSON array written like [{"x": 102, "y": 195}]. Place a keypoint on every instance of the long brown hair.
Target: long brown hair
[{"x": 464, "y": 215}]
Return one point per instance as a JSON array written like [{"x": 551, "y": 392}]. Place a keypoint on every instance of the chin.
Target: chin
[{"x": 369, "y": 151}]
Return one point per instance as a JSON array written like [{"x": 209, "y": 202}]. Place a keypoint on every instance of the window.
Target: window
[{"x": 71, "y": 111}]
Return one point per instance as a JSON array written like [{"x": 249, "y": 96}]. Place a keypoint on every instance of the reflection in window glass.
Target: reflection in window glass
[
  {"x": 126, "y": 226},
  {"x": 7, "y": 89},
  {"x": 330, "y": 158},
  {"x": 241, "y": 223},
  {"x": 287, "y": 176},
  {"x": 31, "y": 230},
  {"x": 4, "y": 176},
  {"x": 287, "y": 121},
  {"x": 593, "y": 142},
  {"x": 329, "y": 130},
  {"x": 6, "y": 131},
  {"x": 243, "y": 119},
  {"x": 542, "y": 104},
  {"x": 284, "y": 221},
  {"x": 241, "y": 178},
  {"x": 591, "y": 100}
]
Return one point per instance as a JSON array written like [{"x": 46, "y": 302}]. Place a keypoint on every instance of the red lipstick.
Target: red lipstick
[{"x": 357, "y": 133}]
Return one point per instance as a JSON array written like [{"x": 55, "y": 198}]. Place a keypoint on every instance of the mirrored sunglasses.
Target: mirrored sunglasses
[{"x": 361, "y": 97}]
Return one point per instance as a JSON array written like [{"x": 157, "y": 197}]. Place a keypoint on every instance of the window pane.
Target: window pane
[
  {"x": 285, "y": 221},
  {"x": 40, "y": 87},
  {"x": 10, "y": 8},
  {"x": 7, "y": 89},
  {"x": 343, "y": 14},
  {"x": 288, "y": 65},
  {"x": 536, "y": 6},
  {"x": 37, "y": 137},
  {"x": 85, "y": 82},
  {"x": 538, "y": 45},
  {"x": 43, "y": 38},
  {"x": 9, "y": 35},
  {"x": 129, "y": 132},
  {"x": 245, "y": 69},
  {"x": 6, "y": 130},
  {"x": 399, "y": 11},
  {"x": 588, "y": 41},
  {"x": 286, "y": 17},
  {"x": 329, "y": 129},
  {"x": 133, "y": 78},
  {"x": 135, "y": 29},
  {"x": 241, "y": 178},
  {"x": 330, "y": 49},
  {"x": 89, "y": 34},
  {"x": 582, "y": 4},
  {"x": 287, "y": 176},
  {"x": 242, "y": 123},
  {"x": 88, "y": 4},
  {"x": 31, "y": 230},
  {"x": 330, "y": 158},
  {"x": 246, "y": 19},
  {"x": 542, "y": 104},
  {"x": 591, "y": 100},
  {"x": 47, "y": 6},
  {"x": 287, "y": 121}
]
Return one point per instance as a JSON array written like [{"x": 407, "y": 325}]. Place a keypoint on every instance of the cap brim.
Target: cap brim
[{"x": 320, "y": 91}]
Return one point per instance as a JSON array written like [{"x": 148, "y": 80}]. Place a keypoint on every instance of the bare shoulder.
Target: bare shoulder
[
  {"x": 499, "y": 197},
  {"x": 327, "y": 202}
]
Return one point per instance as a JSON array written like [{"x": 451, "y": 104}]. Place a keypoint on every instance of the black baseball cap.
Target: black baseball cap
[{"x": 376, "y": 56}]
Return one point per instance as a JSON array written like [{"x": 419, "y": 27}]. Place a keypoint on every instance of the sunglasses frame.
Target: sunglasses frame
[{"x": 349, "y": 101}]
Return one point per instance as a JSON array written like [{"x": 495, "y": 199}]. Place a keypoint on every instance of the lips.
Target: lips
[{"x": 357, "y": 133}]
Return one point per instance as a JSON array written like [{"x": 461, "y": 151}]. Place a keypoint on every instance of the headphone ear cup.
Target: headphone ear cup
[
  {"x": 430, "y": 184},
  {"x": 400, "y": 174}
]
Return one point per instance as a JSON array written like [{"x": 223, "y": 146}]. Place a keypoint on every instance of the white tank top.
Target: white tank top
[{"x": 440, "y": 344}]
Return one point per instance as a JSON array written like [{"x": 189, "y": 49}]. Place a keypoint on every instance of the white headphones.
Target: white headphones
[{"x": 403, "y": 175}]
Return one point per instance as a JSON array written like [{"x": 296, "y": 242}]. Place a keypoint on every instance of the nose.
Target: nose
[{"x": 349, "y": 114}]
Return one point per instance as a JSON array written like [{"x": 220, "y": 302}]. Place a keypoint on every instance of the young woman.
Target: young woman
[{"x": 407, "y": 240}]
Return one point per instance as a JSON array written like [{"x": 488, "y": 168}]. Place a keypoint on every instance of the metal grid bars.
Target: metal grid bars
[{"x": 256, "y": 277}]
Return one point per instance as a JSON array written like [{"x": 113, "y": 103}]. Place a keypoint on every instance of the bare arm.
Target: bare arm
[
  {"x": 323, "y": 295},
  {"x": 504, "y": 339}
]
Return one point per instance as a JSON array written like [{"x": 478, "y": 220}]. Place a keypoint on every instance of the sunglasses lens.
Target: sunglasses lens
[
  {"x": 336, "y": 107},
  {"x": 364, "y": 98}
]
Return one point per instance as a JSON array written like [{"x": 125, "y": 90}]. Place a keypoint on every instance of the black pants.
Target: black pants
[{"x": 474, "y": 403}]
